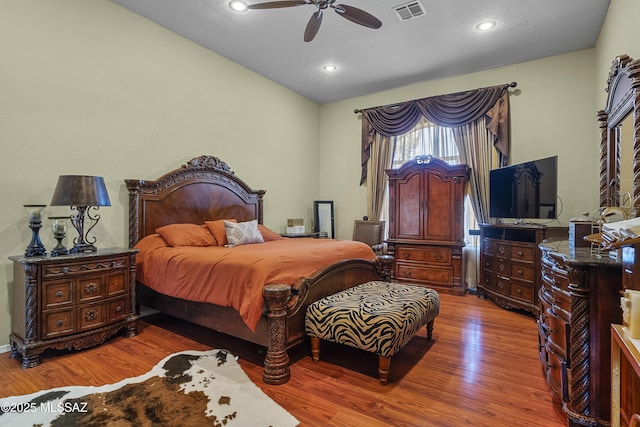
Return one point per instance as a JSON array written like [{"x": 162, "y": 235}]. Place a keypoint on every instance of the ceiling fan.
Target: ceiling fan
[{"x": 351, "y": 13}]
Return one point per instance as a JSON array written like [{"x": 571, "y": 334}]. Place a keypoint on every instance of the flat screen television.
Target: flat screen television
[{"x": 525, "y": 191}]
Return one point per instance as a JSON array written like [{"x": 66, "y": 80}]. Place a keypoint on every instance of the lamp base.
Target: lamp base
[
  {"x": 35, "y": 251},
  {"x": 83, "y": 247}
]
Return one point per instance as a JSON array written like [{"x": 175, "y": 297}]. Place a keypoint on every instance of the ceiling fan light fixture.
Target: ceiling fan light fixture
[
  {"x": 238, "y": 6},
  {"x": 485, "y": 25},
  {"x": 330, "y": 68}
]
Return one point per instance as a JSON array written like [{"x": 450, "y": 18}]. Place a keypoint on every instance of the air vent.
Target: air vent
[{"x": 409, "y": 10}]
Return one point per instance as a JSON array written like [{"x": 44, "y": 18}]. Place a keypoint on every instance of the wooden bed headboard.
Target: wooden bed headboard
[{"x": 202, "y": 190}]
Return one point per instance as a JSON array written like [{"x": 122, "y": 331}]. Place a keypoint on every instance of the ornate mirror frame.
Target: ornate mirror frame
[{"x": 623, "y": 88}]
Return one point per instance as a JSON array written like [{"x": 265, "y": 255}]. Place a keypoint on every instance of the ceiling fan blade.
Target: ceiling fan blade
[
  {"x": 313, "y": 26},
  {"x": 277, "y": 4},
  {"x": 358, "y": 16}
]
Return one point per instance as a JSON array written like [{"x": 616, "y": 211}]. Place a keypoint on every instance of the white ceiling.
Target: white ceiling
[{"x": 442, "y": 43}]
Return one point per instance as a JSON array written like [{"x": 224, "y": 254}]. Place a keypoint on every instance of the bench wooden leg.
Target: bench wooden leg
[
  {"x": 315, "y": 349},
  {"x": 383, "y": 369},
  {"x": 430, "y": 329}
]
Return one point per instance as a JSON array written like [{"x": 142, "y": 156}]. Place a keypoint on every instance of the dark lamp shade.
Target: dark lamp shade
[{"x": 80, "y": 190}]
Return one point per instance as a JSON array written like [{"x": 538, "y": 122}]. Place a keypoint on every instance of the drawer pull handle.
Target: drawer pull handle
[
  {"x": 90, "y": 288},
  {"x": 520, "y": 253},
  {"x": 520, "y": 272},
  {"x": 501, "y": 250},
  {"x": 59, "y": 323},
  {"x": 501, "y": 267},
  {"x": 118, "y": 309},
  {"x": 500, "y": 285},
  {"x": 90, "y": 315},
  {"x": 59, "y": 294},
  {"x": 519, "y": 291}
]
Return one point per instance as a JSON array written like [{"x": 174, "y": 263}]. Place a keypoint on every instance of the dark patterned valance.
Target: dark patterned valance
[{"x": 453, "y": 110}]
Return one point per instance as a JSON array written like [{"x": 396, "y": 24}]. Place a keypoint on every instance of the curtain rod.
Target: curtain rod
[{"x": 360, "y": 110}]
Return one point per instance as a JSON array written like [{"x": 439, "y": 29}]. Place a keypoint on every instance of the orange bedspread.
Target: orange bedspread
[{"x": 235, "y": 276}]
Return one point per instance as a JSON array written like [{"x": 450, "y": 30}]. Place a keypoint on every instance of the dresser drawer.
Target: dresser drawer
[
  {"x": 489, "y": 281},
  {"x": 558, "y": 333},
  {"x": 57, "y": 293},
  {"x": 489, "y": 246},
  {"x": 429, "y": 255},
  {"x": 523, "y": 253},
  {"x": 522, "y": 271},
  {"x": 503, "y": 267},
  {"x": 502, "y": 285},
  {"x": 503, "y": 250},
  {"x": 522, "y": 291},
  {"x": 424, "y": 274},
  {"x": 489, "y": 263},
  {"x": 555, "y": 368}
]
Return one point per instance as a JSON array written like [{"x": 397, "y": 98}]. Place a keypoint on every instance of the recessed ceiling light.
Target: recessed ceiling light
[
  {"x": 486, "y": 25},
  {"x": 238, "y": 5},
  {"x": 330, "y": 68}
]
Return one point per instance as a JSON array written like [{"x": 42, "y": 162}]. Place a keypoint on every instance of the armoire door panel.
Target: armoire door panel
[
  {"x": 440, "y": 199},
  {"x": 409, "y": 207}
]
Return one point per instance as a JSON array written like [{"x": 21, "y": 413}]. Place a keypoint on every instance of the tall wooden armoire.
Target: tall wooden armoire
[{"x": 426, "y": 223}]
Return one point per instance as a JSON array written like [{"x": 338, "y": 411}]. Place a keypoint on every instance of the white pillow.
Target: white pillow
[{"x": 242, "y": 233}]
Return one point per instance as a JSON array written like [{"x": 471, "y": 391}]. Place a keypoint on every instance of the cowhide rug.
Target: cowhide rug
[{"x": 191, "y": 388}]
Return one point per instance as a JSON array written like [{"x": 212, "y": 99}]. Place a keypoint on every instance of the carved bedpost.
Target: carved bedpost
[{"x": 276, "y": 362}]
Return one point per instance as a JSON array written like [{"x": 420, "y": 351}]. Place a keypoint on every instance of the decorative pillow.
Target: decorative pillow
[
  {"x": 186, "y": 235},
  {"x": 268, "y": 234},
  {"x": 219, "y": 232},
  {"x": 242, "y": 233}
]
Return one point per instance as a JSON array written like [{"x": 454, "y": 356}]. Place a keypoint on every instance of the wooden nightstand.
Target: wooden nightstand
[{"x": 71, "y": 302}]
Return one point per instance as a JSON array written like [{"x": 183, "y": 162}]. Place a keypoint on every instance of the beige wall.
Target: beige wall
[{"x": 87, "y": 87}]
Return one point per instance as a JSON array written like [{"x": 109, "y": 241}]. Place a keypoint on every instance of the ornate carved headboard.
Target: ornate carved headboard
[{"x": 203, "y": 189}]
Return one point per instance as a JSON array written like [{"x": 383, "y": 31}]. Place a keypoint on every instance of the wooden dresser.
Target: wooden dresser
[
  {"x": 71, "y": 302},
  {"x": 579, "y": 300},
  {"x": 426, "y": 223},
  {"x": 510, "y": 260}
]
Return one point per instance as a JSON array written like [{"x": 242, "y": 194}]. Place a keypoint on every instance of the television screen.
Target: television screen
[{"x": 525, "y": 190}]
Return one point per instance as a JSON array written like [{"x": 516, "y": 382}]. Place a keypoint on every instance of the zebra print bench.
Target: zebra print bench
[{"x": 379, "y": 317}]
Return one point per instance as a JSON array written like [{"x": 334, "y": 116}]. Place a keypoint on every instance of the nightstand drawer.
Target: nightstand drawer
[
  {"x": 117, "y": 309},
  {"x": 116, "y": 283},
  {"x": 90, "y": 288},
  {"x": 57, "y": 293},
  {"x": 57, "y": 323},
  {"x": 91, "y": 316}
]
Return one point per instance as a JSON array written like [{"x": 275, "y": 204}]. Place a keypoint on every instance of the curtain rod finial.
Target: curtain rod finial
[
  {"x": 357, "y": 111},
  {"x": 513, "y": 84}
]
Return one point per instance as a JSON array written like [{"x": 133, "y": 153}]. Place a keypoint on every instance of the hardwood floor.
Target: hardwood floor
[{"x": 481, "y": 369}]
